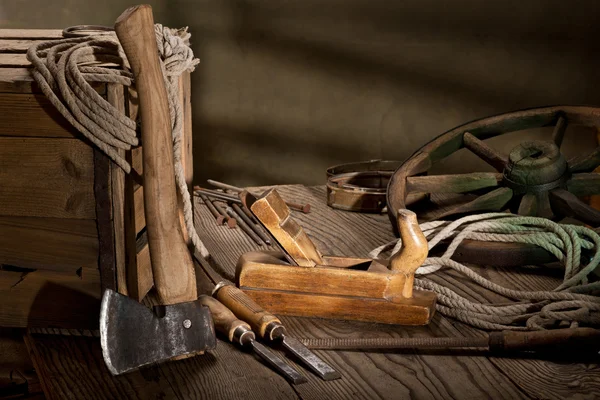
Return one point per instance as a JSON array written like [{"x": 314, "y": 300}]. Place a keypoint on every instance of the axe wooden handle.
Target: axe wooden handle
[{"x": 172, "y": 264}]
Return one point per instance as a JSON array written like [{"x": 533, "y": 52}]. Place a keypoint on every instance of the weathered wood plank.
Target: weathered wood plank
[
  {"x": 32, "y": 115},
  {"x": 19, "y": 80},
  {"x": 31, "y": 34},
  {"x": 17, "y": 45},
  {"x": 139, "y": 275},
  {"x": 138, "y": 209},
  {"x": 50, "y": 178},
  {"x": 19, "y": 60},
  {"x": 50, "y": 298},
  {"x": 14, "y": 60},
  {"x": 122, "y": 235},
  {"x": 48, "y": 243},
  {"x": 104, "y": 220},
  {"x": 15, "y": 359}
]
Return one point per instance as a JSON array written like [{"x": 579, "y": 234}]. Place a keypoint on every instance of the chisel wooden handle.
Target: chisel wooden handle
[
  {"x": 261, "y": 321},
  {"x": 577, "y": 339},
  {"x": 172, "y": 265},
  {"x": 225, "y": 321}
]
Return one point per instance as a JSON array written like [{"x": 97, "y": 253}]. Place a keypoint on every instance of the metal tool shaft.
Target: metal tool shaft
[
  {"x": 217, "y": 195},
  {"x": 231, "y": 222},
  {"x": 310, "y": 359},
  {"x": 244, "y": 226},
  {"x": 305, "y": 208},
  {"x": 277, "y": 363},
  {"x": 218, "y": 217},
  {"x": 224, "y": 186},
  {"x": 393, "y": 343},
  {"x": 251, "y": 224},
  {"x": 568, "y": 340}
]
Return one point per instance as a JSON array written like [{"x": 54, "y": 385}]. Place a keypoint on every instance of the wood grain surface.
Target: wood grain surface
[
  {"x": 60, "y": 244},
  {"x": 32, "y": 115},
  {"x": 48, "y": 298},
  {"x": 50, "y": 178},
  {"x": 74, "y": 368}
]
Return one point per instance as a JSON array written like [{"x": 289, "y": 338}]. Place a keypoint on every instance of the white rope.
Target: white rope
[
  {"x": 63, "y": 69},
  {"x": 571, "y": 302}
]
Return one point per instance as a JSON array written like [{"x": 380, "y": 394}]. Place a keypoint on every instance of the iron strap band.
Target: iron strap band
[
  {"x": 521, "y": 189},
  {"x": 86, "y": 30},
  {"x": 360, "y": 186}
]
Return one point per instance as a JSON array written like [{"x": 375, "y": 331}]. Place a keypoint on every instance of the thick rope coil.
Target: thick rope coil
[
  {"x": 63, "y": 69},
  {"x": 571, "y": 302}
]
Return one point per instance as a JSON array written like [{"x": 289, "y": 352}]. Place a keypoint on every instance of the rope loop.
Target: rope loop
[
  {"x": 63, "y": 69},
  {"x": 572, "y": 302}
]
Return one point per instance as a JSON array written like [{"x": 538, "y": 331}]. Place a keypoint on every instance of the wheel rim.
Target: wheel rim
[{"x": 535, "y": 175}]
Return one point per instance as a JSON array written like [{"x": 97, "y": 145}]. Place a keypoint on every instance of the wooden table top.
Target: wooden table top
[{"x": 72, "y": 367}]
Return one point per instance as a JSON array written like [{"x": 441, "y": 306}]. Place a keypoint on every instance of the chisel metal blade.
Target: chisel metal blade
[
  {"x": 288, "y": 372},
  {"x": 310, "y": 359}
]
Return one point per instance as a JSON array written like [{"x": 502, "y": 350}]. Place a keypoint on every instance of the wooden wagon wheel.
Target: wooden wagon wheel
[{"x": 534, "y": 179}]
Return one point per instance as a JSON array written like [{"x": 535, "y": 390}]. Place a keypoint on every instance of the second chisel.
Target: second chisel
[
  {"x": 240, "y": 333},
  {"x": 269, "y": 327}
]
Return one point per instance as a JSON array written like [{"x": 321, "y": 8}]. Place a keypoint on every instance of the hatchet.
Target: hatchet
[{"x": 132, "y": 335}]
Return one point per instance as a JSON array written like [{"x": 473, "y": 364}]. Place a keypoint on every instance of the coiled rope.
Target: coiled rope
[
  {"x": 64, "y": 69},
  {"x": 572, "y": 301}
]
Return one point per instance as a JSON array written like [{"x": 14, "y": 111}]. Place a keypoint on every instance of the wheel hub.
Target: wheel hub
[{"x": 535, "y": 166}]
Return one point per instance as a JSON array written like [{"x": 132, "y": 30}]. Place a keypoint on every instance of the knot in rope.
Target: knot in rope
[{"x": 174, "y": 49}]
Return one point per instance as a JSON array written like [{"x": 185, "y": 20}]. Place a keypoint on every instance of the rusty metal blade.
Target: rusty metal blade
[
  {"x": 132, "y": 335},
  {"x": 310, "y": 359},
  {"x": 288, "y": 372}
]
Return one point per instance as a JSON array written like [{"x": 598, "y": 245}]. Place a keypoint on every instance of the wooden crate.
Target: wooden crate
[{"x": 71, "y": 221}]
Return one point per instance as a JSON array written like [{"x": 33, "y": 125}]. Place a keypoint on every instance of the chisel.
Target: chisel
[
  {"x": 239, "y": 332},
  {"x": 266, "y": 325},
  {"x": 269, "y": 327}
]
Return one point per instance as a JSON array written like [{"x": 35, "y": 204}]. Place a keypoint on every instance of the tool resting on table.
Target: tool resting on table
[
  {"x": 131, "y": 335},
  {"x": 240, "y": 333}
]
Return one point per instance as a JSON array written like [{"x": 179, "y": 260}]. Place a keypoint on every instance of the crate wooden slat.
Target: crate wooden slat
[
  {"x": 48, "y": 243},
  {"x": 25, "y": 114},
  {"x": 49, "y": 298},
  {"x": 21, "y": 34},
  {"x": 67, "y": 213},
  {"x": 46, "y": 178}
]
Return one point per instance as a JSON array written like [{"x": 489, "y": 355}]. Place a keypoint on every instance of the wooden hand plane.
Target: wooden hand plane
[{"x": 303, "y": 282}]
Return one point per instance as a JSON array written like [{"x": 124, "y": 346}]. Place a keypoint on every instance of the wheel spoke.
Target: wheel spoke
[
  {"x": 567, "y": 204},
  {"x": 528, "y": 205},
  {"x": 559, "y": 130},
  {"x": 460, "y": 183},
  {"x": 584, "y": 184},
  {"x": 544, "y": 209},
  {"x": 485, "y": 152},
  {"x": 492, "y": 201},
  {"x": 585, "y": 163}
]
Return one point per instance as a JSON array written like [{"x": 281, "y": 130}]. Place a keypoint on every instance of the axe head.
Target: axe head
[{"x": 132, "y": 335}]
